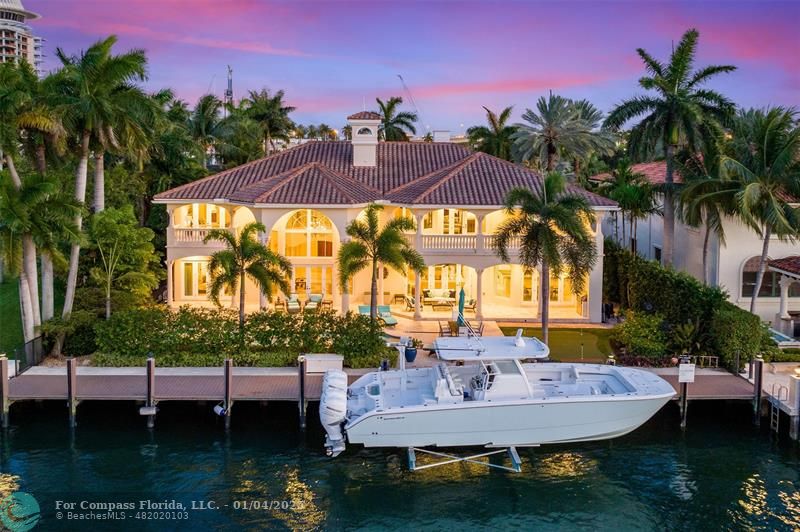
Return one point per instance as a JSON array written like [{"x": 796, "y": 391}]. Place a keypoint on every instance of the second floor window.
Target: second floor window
[
  {"x": 309, "y": 234},
  {"x": 201, "y": 215}
]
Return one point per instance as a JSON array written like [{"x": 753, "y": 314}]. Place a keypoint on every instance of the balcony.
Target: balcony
[
  {"x": 462, "y": 244},
  {"x": 191, "y": 236}
]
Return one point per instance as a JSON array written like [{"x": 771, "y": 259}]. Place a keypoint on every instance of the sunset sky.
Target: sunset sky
[{"x": 331, "y": 57}]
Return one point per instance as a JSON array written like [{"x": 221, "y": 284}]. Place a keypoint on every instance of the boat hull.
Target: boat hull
[{"x": 504, "y": 424}]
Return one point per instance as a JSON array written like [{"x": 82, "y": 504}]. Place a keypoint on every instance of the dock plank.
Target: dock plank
[{"x": 720, "y": 387}]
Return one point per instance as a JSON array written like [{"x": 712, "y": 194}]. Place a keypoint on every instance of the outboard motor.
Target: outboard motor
[{"x": 333, "y": 410}]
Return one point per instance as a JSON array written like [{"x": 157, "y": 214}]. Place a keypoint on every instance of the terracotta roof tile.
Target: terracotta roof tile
[
  {"x": 654, "y": 171},
  {"x": 426, "y": 172},
  {"x": 364, "y": 115},
  {"x": 787, "y": 264}
]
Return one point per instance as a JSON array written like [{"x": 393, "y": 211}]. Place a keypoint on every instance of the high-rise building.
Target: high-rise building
[{"x": 17, "y": 40}]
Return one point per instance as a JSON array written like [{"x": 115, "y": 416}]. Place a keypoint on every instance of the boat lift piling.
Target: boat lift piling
[
  {"x": 72, "y": 390},
  {"x": 149, "y": 408},
  {"x": 758, "y": 382},
  {"x": 228, "y": 401},
  {"x": 4, "y": 403},
  {"x": 302, "y": 403}
]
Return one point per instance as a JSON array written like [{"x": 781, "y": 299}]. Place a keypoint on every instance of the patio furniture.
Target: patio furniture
[
  {"x": 385, "y": 313},
  {"x": 326, "y": 304},
  {"x": 470, "y": 305},
  {"x": 442, "y": 305},
  {"x": 399, "y": 298},
  {"x": 313, "y": 301},
  {"x": 436, "y": 295},
  {"x": 293, "y": 305},
  {"x": 444, "y": 329},
  {"x": 409, "y": 303}
]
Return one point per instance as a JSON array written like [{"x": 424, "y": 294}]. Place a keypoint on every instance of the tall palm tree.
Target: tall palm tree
[
  {"x": 553, "y": 226},
  {"x": 763, "y": 161},
  {"x": 593, "y": 118},
  {"x": 634, "y": 194},
  {"x": 370, "y": 245},
  {"x": 395, "y": 125},
  {"x": 557, "y": 127},
  {"x": 705, "y": 199},
  {"x": 205, "y": 124},
  {"x": 271, "y": 113},
  {"x": 21, "y": 110},
  {"x": 244, "y": 257},
  {"x": 679, "y": 113},
  {"x": 93, "y": 89},
  {"x": 494, "y": 139}
]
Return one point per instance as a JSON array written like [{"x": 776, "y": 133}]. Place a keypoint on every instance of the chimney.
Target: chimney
[{"x": 364, "y": 127}]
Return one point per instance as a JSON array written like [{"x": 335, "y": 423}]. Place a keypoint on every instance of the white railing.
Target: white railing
[
  {"x": 513, "y": 242},
  {"x": 190, "y": 234},
  {"x": 449, "y": 242}
]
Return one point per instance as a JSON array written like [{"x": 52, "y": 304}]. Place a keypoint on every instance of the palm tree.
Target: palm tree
[
  {"x": 93, "y": 90},
  {"x": 558, "y": 127},
  {"x": 371, "y": 245},
  {"x": 593, "y": 118},
  {"x": 494, "y": 139},
  {"x": 395, "y": 125},
  {"x": 21, "y": 109},
  {"x": 271, "y": 113},
  {"x": 763, "y": 160},
  {"x": 205, "y": 124},
  {"x": 705, "y": 199},
  {"x": 680, "y": 113},
  {"x": 634, "y": 194},
  {"x": 244, "y": 257},
  {"x": 553, "y": 226}
]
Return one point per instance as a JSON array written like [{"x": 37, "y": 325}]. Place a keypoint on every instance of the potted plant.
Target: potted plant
[{"x": 411, "y": 349}]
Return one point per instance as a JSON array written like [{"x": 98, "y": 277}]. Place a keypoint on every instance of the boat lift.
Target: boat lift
[{"x": 472, "y": 459}]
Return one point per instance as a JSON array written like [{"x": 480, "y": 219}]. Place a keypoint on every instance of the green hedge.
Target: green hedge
[
  {"x": 205, "y": 337},
  {"x": 786, "y": 355},
  {"x": 734, "y": 330},
  {"x": 639, "y": 284},
  {"x": 641, "y": 335}
]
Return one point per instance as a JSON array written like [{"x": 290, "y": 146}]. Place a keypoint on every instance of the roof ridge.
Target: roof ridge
[
  {"x": 449, "y": 175},
  {"x": 291, "y": 174},
  {"x": 349, "y": 179}
]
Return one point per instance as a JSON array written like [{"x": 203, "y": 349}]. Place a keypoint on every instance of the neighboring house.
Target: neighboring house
[
  {"x": 307, "y": 195},
  {"x": 732, "y": 266}
]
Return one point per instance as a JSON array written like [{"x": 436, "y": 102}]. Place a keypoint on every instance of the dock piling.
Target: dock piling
[
  {"x": 684, "y": 403},
  {"x": 758, "y": 374},
  {"x": 72, "y": 385},
  {"x": 228, "y": 392},
  {"x": 4, "y": 404},
  {"x": 794, "y": 396},
  {"x": 151, "y": 392},
  {"x": 302, "y": 404}
]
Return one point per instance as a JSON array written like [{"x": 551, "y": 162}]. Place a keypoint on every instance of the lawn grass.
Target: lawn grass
[
  {"x": 10, "y": 321},
  {"x": 573, "y": 344}
]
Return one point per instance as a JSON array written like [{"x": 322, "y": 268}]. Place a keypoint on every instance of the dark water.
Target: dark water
[{"x": 719, "y": 475}]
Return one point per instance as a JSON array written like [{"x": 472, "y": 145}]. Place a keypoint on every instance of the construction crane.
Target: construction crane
[{"x": 411, "y": 99}]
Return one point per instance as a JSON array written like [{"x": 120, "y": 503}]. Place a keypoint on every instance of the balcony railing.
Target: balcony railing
[
  {"x": 190, "y": 235},
  {"x": 483, "y": 244}
]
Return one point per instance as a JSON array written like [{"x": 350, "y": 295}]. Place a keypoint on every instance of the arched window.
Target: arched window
[
  {"x": 365, "y": 131},
  {"x": 309, "y": 234},
  {"x": 202, "y": 215},
  {"x": 770, "y": 286}
]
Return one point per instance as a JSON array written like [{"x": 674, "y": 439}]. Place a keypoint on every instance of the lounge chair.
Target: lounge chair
[
  {"x": 470, "y": 305},
  {"x": 313, "y": 302},
  {"x": 409, "y": 303},
  {"x": 385, "y": 313},
  {"x": 293, "y": 305}
]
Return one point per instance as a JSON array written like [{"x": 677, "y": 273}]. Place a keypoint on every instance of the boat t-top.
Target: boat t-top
[{"x": 483, "y": 393}]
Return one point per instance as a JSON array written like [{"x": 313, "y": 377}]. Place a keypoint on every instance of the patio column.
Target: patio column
[
  {"x": 418, "y": 235},
  {"x": 170, "y": 264},
  {"x": 262, "y": 299},
  {"x": 785, "y": 283},
  {"x": 417, "y": 296},
  {"x": 479, "y": 296},
  {"x": 595, "y": 291}
]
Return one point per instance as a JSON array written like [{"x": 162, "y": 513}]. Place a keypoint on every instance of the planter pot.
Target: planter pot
[{"x": 411, "y": 354}]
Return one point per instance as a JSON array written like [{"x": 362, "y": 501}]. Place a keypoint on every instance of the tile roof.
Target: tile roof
[
  {"x": 787, "y": 264},
  {"x": 312, "y": 183},
  {"x": 364, "y": 115},
  {"x": 654, "y": 171},
  {"x": 321, "y": 172}
]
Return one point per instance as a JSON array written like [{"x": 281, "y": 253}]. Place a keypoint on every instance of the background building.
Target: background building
[{"x": 17, "y": 40}]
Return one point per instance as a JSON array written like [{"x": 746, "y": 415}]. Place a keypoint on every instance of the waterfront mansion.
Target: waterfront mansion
[{"x": 307, "y": 195}]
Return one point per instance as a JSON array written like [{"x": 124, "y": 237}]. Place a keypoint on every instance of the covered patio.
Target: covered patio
[{"x": 787, "y": 321}]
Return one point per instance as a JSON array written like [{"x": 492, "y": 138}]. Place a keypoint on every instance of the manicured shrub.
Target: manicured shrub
[
  {"x": 734, "y": 330},
  {"x": 633, "y": 282},
  {"x": 80, "y": 338},
  {"x": 205, "y": 337},
  {"x": 786, "y": 355},
  {"x": 640, "y": 335}
]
